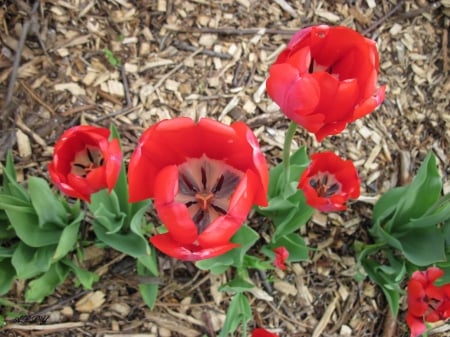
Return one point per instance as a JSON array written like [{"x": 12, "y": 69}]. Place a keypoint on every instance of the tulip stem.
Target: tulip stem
[{"x": 287, "y": 149}]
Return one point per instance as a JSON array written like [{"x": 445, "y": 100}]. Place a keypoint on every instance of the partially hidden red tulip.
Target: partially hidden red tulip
[
  {"x": 426, "y": 301},
  {"x": 329, "y": 181},
  {"x": 281, "y": 255},
  {"x": 85, "y": 161},
  {"x": 259, "y": 332},
  {"x": 326, "y": 78},
  {"x": 204, "y": 178}
]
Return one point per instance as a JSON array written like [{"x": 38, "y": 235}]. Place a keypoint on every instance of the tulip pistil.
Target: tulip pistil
[
  {"x": 87, "y": 160},
  {"x": 205, "y": 187},
  {"x": 325, "y": 184}
]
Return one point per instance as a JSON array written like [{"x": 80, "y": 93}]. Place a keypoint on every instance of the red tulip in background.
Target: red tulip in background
[
  {"x": 326, "y": 78},
  {"x": 329, "y": 181},
  {"x": 281, "y": 255},
  {"x": 259, "y": 332},
  {"x": 85, "y": 161},
  {"x": 204, "y": 178},
  {"x": 426, "y": 302}
]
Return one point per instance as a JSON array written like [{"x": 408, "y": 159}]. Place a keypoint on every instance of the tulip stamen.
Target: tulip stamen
[
  {"x": 87, "y": 160},
  {"x": 325, "y": 184},
  {"x": 205, "y": 187}
]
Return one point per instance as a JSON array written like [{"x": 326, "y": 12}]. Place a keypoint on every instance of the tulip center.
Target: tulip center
[
  {"x": 205, "y": 186},
  {"x": 315, "y": 67},
  {"x": 86, "y": 160},
  {"x": 325, "y": 184}
]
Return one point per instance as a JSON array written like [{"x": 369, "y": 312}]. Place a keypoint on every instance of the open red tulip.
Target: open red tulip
[
  {"x": 326, "y": 78},
  {"x": 85, "y": 161},
  {"x": 329, "y": 181},
  {"x": 204, "y": 178},
  {"x": 259, "y": 332},
  {"x": 426, "y": 301}
]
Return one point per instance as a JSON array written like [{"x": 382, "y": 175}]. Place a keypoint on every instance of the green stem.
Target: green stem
[{"x": 287, "y": 149}]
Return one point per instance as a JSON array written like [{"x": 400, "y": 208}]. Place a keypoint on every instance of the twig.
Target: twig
[
  {"x": 58, "y": 326},
  {"x": 187, "y": 47},
  {"x": 125, "y": 85},
  {"x": 445, "y": 50},
  {"x": 78, "y": 109},
  {"x": 122, "y": 111},
  {"x": 63, "y": 302},
  {"x": 383, "y": 18},
  {"x": 173, "y": 71},
  {"x": 12, "y": 79},
  {"x": 233, "y": 31},
  {"x": 37, "y": 98}
]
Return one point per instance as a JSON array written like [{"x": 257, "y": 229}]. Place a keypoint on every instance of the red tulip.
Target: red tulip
[
  {"x": 259, "y": 332},
  {"x": 204, "y": 179},
  {"x": 426, "y": 302},
  {"x": 326, "y": 78},
  {"x": 329, "y": 181},
  {"x": 85, "y": 161},
  {"x": 281, "y": 255}
]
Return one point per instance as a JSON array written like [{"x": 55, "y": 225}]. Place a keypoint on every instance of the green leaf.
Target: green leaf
[
  {"x": 86, "y": 278},
  {"x": 246, "y": 238},
  {"x": 296, "y": 246},
  {"x": 25, "y": 225},
  {"x": 10, "y": 185},
  {"x": 45, "y": 285},
  {"x": 138, "y": 220},
  {"x": 149, "y": 291},
  {"x": 423, "y": 246},
  {"x": 106, "y": 210},
  {"x": 7, "y": 276},
  {"x": 49, "y": 209},
  {"x": 236, "y": 285},
  {"x": 388, "y": 279},
  {"x": 29, "y": 261},
  {"x": 239, "y": 312},
  {"x": 68, "y": 238},
  {"x": 129, "y": 243}
]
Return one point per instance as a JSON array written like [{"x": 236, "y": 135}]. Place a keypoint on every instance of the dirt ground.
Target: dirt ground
[{"x": 132, "y": 63}]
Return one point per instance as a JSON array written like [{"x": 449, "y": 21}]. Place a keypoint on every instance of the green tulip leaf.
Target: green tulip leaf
[
  {"x": 296, "y": 246},
  {"x": 7, "y": 275},
  {"x": 26, "y": 226},
  {"x": 85, "y": 277},
  {"x": 49, "y": 209},
  {"x": 237, "y": 285},
  {"x": 68, "y": 239},
  {"x": 10, "y": 185},
  {"x": 148, "y": 291},
  {"x": 239, "y": 312},
  {"x": 423, "y": 246},
  {"x": 129, "y": 243},
  {"x": 45, "y": 285},
  {"x": 29, "y": 261}
]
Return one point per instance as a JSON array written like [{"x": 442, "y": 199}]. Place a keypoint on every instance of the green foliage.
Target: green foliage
[
  {"x": 239, "y": 313},
  {"x": 40, "y": 229},
  {"x": 410, "y": 226}
]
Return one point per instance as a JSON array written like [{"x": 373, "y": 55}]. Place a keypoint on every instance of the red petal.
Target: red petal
[
  {"x": 259, "y": 332},
  {"x": 113, "y": 163},
  {"x": 166, "y": 244},
  {"x": 416, "y": 325}
]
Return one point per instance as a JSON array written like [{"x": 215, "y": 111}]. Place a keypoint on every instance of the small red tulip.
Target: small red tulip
[
  {"x": 204, "y": 178},
  {"x": 85, "y": 161},
  {"x": 329, "y": 181},
  {"x": 426, "y": 301},
  {"x": 259, "y": 332},
  {"x": 281, "y": 255},
  {"x": 326, "y": 78}
]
